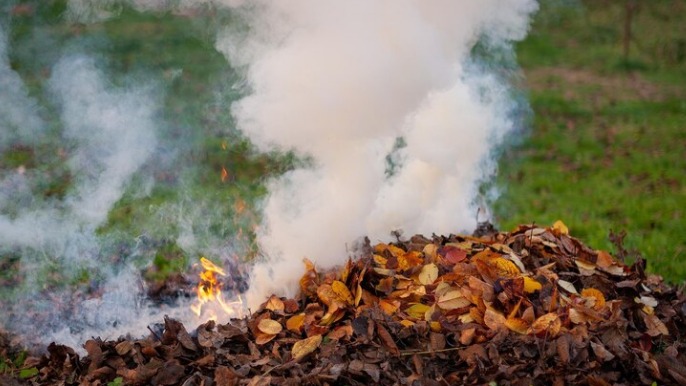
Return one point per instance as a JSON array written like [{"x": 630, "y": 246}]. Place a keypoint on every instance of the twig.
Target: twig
[
  {"x": 412, "y": 352},
  {"x": 154, "y": 333}
]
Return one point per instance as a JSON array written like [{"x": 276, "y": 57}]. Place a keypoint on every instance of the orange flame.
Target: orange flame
[
  {"x": 225, "y": 174},
  {"x": 209, "y": 293}
]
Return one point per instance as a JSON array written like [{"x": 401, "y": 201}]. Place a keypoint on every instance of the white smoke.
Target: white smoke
[
  {"x": 340, "y": 82},
  {"x": 108, "y": 133}
]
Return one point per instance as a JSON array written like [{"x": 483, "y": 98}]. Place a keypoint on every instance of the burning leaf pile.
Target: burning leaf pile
[{"x": 534, "y": 306}]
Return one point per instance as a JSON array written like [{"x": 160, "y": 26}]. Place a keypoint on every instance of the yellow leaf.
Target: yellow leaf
[
  {"x": 295, "y": 322},
  {"x": 517, "y": 325},
  {"x": 380, "y": 260},
  {"x": 531, "y": 285},
  {"x": 340, "y": 289},
  {"x": 304, "y": 347},
  {"x": 388, "y": 307},
  {"x": 505, "y": 267},
  {"x": 548, "y": 325},
  {"x": 417, "y": 310},
  {"x": 435, "y": 326},
  {"x": 269, "y": 326},
  {"x": 452, "y": 300},
  {"x": 428, "y": 274},
  {"x": 407, "y": 323},
  {"x": 560, "y": 228},
  {"x": 596, "y": 297}
]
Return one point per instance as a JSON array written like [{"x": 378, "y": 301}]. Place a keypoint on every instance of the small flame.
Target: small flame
[
  {"x": 209, "y": 293},
  {"x": 225, "y": 174}
]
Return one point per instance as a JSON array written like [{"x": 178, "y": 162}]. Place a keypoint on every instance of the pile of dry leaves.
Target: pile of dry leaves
[{"x": 534, "y": 306}]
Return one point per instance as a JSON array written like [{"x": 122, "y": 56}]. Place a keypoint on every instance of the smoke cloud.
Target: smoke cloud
[
  {"x": 342, "y": 83},
  {"x": 396, "y": 122}
]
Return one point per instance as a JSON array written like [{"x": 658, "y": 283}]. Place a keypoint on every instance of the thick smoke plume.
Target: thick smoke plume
[
  {"x": 399, "y": 122},
  {"x": 382, "y": 100}
]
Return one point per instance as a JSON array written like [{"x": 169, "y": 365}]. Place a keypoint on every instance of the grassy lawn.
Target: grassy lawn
[
  {"x": 604, "y": 150},
  {"x": 606, "y": 147}
]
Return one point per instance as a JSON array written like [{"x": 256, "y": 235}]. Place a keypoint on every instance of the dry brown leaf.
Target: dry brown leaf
[
  {"x": 269, "y": 326},
  {"x": 387, "y": 340},
  {"x": 453, "y": 299},
  {"x": 654, "y": 325},
  {"x": 304, "y": 347},
  {"x": 494, "y": 319},
  {"x": 467, "y": 336},
  {"x": 262, "y": 338}
]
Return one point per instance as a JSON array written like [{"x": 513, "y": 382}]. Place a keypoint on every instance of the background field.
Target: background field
[
  {"x": 606, "y": 146},
  {"x": 604, "y": 149}
]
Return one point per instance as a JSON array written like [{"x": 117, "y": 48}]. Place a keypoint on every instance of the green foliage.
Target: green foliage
[
  {"x": 118, "y": 381},
  {"x": 28, "y": 373}
]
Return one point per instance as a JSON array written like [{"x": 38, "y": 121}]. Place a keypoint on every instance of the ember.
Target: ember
[{"x": 534, "y": 306}]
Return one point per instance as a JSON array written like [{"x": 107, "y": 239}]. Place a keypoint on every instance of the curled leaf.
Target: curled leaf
[
  {"x": 342, "y": 291},
  {"x": 594, "y": 297},
  {"x": 531, "y": 285}
]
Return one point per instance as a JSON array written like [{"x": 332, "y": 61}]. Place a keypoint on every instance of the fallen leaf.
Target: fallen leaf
[
  {"x": 531, "y": 285},
  {"x": 596, "y": 298},
  {"x": 340, "y": 289},
  {"x": 269, "y": 326},
  {"x": 559, "y": 228},
  {"x": 417, "y": 310},
  {"x": 654, "y": 325},
  {"x": 304, "y": 347},
  {"x": 567, "y": 286},
  {"x": 547, "y": 325},
  {"x": 452, "y": 300},
  {"x": 517, "y": 325},
  {"x": 428, "y": 274},
  {"x": 274, "y": 304},
  {"x": 295, "y": 322},
  {"x": 494, "y": 319}
]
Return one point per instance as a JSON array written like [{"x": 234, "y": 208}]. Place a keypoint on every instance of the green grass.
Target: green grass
[{"x": 606, "y": 147}]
